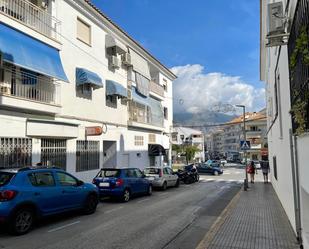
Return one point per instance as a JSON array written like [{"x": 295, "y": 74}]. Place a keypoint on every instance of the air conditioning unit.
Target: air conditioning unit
[
  {"x": 276, "y": 18},
  {"x": 126, "y": 59},
  {"x": 115, "y": 62}
]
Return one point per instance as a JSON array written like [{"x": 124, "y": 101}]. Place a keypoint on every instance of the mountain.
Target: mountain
[{"x": 200, "y": 119}]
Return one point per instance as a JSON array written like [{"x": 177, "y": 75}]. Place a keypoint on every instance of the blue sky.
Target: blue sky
[{"x": 220, "y": 36}]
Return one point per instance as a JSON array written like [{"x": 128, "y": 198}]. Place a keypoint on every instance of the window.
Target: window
[
  {"x": 152, "y": 138},
  {"x": 130, "y": 173},
  {"x": 138, "y": 173},
  {"x": 165, "y": 85},
  {"x": 109, "y": 173},
  {"x": 111, "y": 101},
  {"x": 165, "y": 111},
  {"x": 182, "y": 137},
  {"x": 28, "y": 77},
  {"x": 15, "y": 152},
  {"x": 84, "y": 91},
  {"x": 66, "y": 180},
  {"x": 42, "y": 179},
  {"x": 174, "y": 137},
  {"x": 5, "y": 178},
  {"x": 138, "y": 140},
  {"x": 54, "y": 152},
  {"x": 83, "y": 31},
  {"x": 87, "y": 155}
]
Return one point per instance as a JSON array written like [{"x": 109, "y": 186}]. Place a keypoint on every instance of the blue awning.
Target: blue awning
[
  {"x": 84, "y": 76},
  {"x": 139, "y": 98},
  {"x": 29, "y": 53},
  {"x": 114, "y": 88}
]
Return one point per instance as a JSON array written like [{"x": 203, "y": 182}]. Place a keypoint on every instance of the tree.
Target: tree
[
  {"x": 190, "y": 151},
  {"x": 177, "y": 148}
]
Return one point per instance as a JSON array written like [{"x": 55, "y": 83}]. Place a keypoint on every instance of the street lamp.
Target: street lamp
[{"x": 245, "y": 149}]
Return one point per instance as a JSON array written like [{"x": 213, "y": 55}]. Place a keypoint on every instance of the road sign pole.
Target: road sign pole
[{"x": 245, "y": 147}]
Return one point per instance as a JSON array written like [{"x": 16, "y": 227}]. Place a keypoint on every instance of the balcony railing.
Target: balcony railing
[
  {"x": 32, "y": 16},
  {"x": 26, "y": 86},
  {"x": 156, "y": 88}
]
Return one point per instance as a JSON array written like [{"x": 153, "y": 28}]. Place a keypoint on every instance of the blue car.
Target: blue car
[
  {"x": 209, "y": 169},
  {"x": 27, "y": 194},
  {"x": 122, "y": 183}
]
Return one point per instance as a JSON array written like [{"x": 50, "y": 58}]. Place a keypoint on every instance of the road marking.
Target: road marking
[
  {"x": 64, "y": 226},
  {"x": 112, "y": 210}
]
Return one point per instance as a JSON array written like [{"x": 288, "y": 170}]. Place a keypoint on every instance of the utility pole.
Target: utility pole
[{"x": 245, "y": 149}]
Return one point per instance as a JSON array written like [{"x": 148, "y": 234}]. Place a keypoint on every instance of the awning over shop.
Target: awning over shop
[
  {"x": 24, "y": 51},
  {"x": 84, "y": 76},
  {"x": 156, "y": 150},
  {"x": 114, "y": 88},
  {"x": 139, "y": 98},
  {"x": 113, "y": 42}
]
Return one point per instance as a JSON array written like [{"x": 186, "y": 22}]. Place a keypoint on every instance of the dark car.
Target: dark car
[
  {"x": 30, "y": 193},
  {"x": 122, "y": 183},
  {"x": 208, "y": 169}
]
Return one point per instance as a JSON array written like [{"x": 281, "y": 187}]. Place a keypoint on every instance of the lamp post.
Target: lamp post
[{"x": 245, "y": 149}]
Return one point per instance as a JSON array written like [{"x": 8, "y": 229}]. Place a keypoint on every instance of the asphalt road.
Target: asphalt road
[{"x": 177, "y": 218}]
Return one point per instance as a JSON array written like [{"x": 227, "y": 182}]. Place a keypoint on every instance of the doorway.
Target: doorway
[{"x": 109, "y": 154}]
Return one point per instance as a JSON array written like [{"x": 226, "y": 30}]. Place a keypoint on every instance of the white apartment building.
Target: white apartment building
[
  {"x": 77, "y": 92},
  {"x": 188, "y": 136},
  {"x": 284, "y": 40}
]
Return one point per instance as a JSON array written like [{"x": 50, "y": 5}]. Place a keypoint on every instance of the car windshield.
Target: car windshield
[
  {"x": 154, "y": 171},
  {"x": 5, "y": 178},
  {"x": 109, "y": 173}
]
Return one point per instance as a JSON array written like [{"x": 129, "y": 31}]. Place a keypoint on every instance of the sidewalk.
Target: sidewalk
[{"x": 254, "y": 219}]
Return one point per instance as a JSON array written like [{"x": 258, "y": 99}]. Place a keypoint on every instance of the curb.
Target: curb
[{"x": 209, "y": 236}]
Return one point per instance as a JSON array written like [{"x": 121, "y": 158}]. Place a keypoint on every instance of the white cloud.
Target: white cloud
[{"x": 196, "y": 91}]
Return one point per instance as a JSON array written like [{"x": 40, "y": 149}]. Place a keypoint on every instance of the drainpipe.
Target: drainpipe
[{"x": 295, "y": 181}]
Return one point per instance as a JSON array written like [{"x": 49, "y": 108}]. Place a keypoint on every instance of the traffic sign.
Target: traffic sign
[{"x": 245, "y": 145}]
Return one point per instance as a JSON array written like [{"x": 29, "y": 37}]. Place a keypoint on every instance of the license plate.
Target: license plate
[
  {"x": 104, "y": 184},
  {"x": 150, "y": 178}
]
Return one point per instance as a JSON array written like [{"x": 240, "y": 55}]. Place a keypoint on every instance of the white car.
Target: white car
[{"x": 161, "y": 177}]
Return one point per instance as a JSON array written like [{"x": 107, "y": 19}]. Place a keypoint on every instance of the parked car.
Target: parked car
[
  {"x": 27, "y": 194},
  {"x": 213, "y": 163},
  {"x": 122, "y": 183},
  {"x": 208, "y": 169},
  {"x": 162, "y": 177},
  {"x": 188, "y": 174}
]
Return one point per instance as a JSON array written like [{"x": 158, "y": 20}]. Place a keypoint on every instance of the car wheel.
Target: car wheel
[
  {"x": 149, "y": 192},
  {"x": 91, "y": 204},
  {"x": 177, "y": 183},
  {"x": 216, "y": 173},
  {"x": 21, "y": 221},
  {"x": 126, "y": 195},
  {"x": 164, "y": 187}
]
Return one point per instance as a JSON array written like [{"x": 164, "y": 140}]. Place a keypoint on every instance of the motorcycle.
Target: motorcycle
[{"x": 188, "y": 175}]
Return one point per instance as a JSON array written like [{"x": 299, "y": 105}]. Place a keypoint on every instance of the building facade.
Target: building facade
[
  {"x": 188, "y": 136},
  {"x": 78, "y": 92},
  {"x": 285, "y": 69}
]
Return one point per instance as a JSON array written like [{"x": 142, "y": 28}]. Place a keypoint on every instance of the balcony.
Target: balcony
[
  {"x": 19, "y": 89},
  {"x": 157, "y": 89},
  {"x": 35, "y": 17},
  {"x": 141, "y": 116}
]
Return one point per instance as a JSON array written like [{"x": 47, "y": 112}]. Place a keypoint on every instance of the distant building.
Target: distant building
[{"x": 188, "y": 136}]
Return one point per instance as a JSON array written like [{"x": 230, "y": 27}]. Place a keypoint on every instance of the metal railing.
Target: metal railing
[
  {"x": 299, "y": 67},
  {"x": 156, "y": 88},
  {"x": 29, "y": 86},
  {"x": 32, "y": 16}
]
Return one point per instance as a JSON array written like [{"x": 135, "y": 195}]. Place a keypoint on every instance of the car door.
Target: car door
[
  {"x": 72, "y": 193},
  {"x": 44, "y": 192},
  {"x": 202, "y": 168},
  {"x": 141, "y": 182},
  {"x": 131, "y": 180},
  {"x": 173, "y": 178}
]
